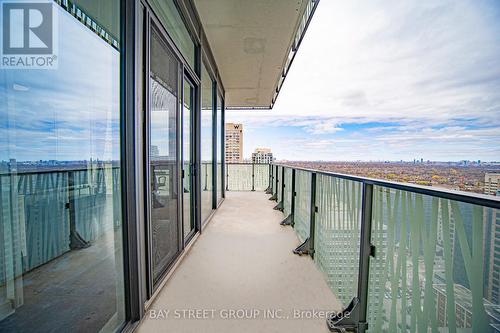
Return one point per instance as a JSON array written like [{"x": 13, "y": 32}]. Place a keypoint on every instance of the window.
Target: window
[
  {"x": 173, "y": 23},
  {"x": 61, "y": 224}
]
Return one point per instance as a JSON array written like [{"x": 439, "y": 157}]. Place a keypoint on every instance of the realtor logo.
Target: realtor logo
[{"x": 28, "y": 35}]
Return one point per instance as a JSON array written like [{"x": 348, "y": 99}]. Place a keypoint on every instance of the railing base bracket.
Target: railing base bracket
[
  {"x": 287, "y": 221},
  {"x": 347, "y": 320},
  {"x": 279, "y": 206},
  {"x": 269, "y": 190},
  {"x": 274, "y": 197},
  {"x": 303, "y": 248},
  {"x": 76, "y": 242}
]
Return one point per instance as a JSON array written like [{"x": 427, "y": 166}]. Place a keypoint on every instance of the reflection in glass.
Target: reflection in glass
[
  {"x": 172, "y": 20},
  {"x": 61, "y": 265},
  {"x": 163, "y": 161},
  {"x": 188, "y": 221},
  {"x": 206, "y": 144}
]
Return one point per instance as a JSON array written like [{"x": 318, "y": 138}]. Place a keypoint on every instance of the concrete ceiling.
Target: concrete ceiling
[{"x": 250, "y": 40}]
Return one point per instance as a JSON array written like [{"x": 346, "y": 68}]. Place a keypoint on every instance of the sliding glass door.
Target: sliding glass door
[
  {"x": 171, "y": 142},
  {"x": 163, "y": 222}
]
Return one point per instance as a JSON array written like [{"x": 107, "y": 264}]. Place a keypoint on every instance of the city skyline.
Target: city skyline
[{"x": 398, "y": 81}]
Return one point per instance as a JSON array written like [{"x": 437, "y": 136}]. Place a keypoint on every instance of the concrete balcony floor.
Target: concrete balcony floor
[{"x": 243, "y": 261}]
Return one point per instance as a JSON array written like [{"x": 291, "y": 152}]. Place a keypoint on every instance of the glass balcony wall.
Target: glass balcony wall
[{"x": 433, "y": 261}]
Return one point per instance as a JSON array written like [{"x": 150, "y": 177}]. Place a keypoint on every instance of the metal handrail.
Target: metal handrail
[
  {"x": 467, "y": 197},
  {"x": 245, "y": 163}
]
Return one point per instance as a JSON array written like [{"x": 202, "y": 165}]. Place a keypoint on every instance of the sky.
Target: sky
[{"x": 388, "y": 80}]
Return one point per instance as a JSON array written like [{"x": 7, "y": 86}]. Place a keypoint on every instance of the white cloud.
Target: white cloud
[{"x": 428, "y": 71}]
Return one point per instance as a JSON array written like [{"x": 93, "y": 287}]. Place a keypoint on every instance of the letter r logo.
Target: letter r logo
[{"x": 27, "y": 28}]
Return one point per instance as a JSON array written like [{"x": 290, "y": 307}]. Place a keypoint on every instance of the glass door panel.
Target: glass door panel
[
  {"x": 163, "y": 180},
  {"x": 206, "y": 119},
  {"x": 187, "y": 179}
]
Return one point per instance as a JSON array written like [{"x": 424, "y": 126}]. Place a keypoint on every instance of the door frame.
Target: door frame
[
  {"x": 194, "y": 203},
  {"x": 135, "y": 28},
  {"x": 154, "y": 25}
]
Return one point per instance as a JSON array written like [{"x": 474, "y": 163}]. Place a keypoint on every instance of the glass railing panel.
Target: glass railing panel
[
  {"x": 436, "y": 265},
  {"x": 239, "y": 177},
  {"x": 287, "y": 196},
  {"x": 261, "y": 177},
  {"x": 337, "y": 234},
  {"x": 302, "y": 204},
  {"x": 206, "y": 189}
]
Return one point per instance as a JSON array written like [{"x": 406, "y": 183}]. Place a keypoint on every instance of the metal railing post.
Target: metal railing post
[
  {"x": 275, "y": 195},
  {"x": 366, "y": 250},
  {"x": 354, "y": 316},
  {"x": 294, "y": 195},
  {"x": 314, "y": 210},
  {"x": 276, "y": 178},
  {"x": 308, "y": 246},
  {"x": 281, "y": 205},
  {"x": 269, "y": 189},
  {"x": 227, "y": 177},
  {"x": 253, "y": 177}
]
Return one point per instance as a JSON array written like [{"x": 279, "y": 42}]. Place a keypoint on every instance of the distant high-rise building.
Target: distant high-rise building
[
  {"x": 491, "y": 183},
  {"x": 492, "y": 223},
  {"x": 155, "y": 151},
  {"x": 463, "y": 308},
  {"x": 262, "y": 155},
  {"x": 234, "y": 143}
]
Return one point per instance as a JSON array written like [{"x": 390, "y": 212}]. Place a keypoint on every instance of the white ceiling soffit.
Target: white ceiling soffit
[{"x": 254, "y": 42}]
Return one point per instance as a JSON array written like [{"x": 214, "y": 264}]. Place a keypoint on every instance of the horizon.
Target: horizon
[{"x": 416, "y": 161}]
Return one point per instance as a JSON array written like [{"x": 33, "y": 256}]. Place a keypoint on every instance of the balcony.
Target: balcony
[
  {"x": 243, "y": 262},
  {"x": 398, "y": 257},
  {"x": 118, "y": 212},
  {"x": 374, "y": 247}
]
